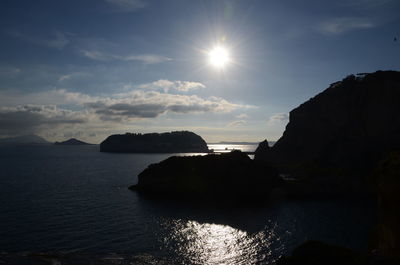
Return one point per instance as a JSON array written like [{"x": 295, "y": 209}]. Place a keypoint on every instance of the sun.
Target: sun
[{"x": 219, "y": 57}]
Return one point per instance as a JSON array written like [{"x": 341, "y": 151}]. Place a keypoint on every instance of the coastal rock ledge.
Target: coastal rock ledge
[{"x": 170, "y": 142}]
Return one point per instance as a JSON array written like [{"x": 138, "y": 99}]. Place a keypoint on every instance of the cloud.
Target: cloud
[
  {"x": 151, "y": 104},
  {"x": 60, "y": 111},
  {"x": 242, "y": 116},
  {"x": 72, "y": 76},
  {"x": 144, "y": 58},
  {"x": 341, "y": 25},
  {"x": 30, "y": 118},
  {"x": 167, "y": 85},
  {"x": 238, "y": 123},
  {"x": 127, "y": 5},
  {"x": 278, "y": 118},
  {"x": 58, "y": 41}
]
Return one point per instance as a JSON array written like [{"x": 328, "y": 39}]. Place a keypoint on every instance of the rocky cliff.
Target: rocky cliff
[
  {"x": 343, "y": 131},
  {"x": 172, "y": 142}
]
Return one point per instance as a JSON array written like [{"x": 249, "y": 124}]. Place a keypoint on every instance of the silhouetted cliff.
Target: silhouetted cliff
[
  {"x": 342, "y": 132},
  {"x": 172, "y": 142},
  {"x": 232, "y": 176}
]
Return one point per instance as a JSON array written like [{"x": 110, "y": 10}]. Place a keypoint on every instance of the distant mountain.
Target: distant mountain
[
  {"x": 72, "y": 141},
  {"x": 170, "y": 142},
  {"x": 24, "y": 140}
]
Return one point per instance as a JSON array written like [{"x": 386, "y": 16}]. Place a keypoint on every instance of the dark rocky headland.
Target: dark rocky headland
[
  {"x": 170, "y": 142},
  {"x": 333, "y": 141}
]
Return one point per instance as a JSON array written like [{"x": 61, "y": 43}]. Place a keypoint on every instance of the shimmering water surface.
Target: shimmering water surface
[{"x": 75, "y": 199}]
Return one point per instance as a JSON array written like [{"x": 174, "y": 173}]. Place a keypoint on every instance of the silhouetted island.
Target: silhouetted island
[
  {"x": 72, "y": 141},
  {"x": 334, "y": 140},
  {"x": 231, "y": 176},
  {"x": 170, "y": 142}
]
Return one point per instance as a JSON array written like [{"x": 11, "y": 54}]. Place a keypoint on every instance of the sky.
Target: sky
[{"x": 91, "y": 68}]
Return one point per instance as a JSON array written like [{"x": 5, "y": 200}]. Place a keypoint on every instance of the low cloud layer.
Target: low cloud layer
[
  {"x": 30, "y": 119},
  {"x": 151, "y": 104},
  {"x": 24, "y": 113}
]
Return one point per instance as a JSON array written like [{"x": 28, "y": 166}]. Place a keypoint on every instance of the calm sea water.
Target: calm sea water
[{"x": 75, "y": 199}]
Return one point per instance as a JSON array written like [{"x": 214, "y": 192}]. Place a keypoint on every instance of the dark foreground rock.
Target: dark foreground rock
[
  {"x": 387, "y": 182},
  {"x": 317, "y": 253},
  {"x": 335, "y": 140},
  {"x": 72, "y": 141},
  {"x": 232, "y": 177},
  {"x": 172, "y": 142}
]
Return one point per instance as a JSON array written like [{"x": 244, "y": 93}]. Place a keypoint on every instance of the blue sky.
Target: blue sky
[{"x": 88, "y": 69}]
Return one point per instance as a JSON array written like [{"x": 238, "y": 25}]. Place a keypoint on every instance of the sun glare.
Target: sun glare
[{"x": 219, "y": 57}]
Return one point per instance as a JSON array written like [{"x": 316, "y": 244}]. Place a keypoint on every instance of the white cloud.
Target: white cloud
[
  {"x": 72, "y": 76},
  {"x": 238, "y": 123},
  {"x": 144, "y": 58},
  {"x": 167, "y": 85},
  {"x": 341, "y": 25},
  {"x": 242, "y": 116},
  {"x": 278, "y": 118},
  {"x": 127, "y": 5}
]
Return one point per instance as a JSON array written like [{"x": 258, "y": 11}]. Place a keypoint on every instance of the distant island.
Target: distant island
[
  {"x": 72, "y": 141},
  {"x": 31, "y": 139},
  {"x": 170, "y": 142}
]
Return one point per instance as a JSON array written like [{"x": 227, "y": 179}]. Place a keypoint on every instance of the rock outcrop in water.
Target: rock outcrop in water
[
  {"x": 232, "y": 176},
  {"x": 336, "y": 138},
  {"x": 172, "y": 142},
  {"x": 71, "y": 141}
]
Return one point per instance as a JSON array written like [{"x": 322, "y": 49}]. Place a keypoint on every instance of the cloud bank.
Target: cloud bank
[{"x": 24, "y": 113}]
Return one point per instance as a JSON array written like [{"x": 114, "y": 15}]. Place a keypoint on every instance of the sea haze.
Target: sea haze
[{"x": 75, "y": 199}]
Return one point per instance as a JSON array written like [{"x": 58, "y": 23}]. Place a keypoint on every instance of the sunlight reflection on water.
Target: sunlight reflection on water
[{"x": 205, "y": 243}]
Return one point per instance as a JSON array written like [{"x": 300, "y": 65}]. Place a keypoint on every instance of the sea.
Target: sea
[{"x": 75, "y": 200}]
